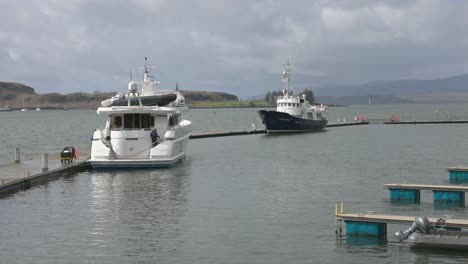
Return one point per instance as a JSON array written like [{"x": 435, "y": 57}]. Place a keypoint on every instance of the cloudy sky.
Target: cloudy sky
[{"x": 232, "y": 46}]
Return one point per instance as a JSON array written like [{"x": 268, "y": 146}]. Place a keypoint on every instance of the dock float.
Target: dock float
[
  {"x": 376, "y": 224},
  {"x": 254, "y": 132},
  {"x": 33, "y": 180},
  {"x": 360, "y": 123},
  {"x": 458, "y": 173},
  {"x": 441, "y": 193},
  {"x": 426, "y": 122},
  {"x": 227, "y": 133}
]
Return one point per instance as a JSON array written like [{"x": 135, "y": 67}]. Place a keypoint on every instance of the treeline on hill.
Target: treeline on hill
[{"x": 270, "y": 97}]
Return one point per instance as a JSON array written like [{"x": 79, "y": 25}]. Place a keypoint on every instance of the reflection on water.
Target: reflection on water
[
  {"x": 442, "y": 205},
  {"x": 365, "y": 241}
]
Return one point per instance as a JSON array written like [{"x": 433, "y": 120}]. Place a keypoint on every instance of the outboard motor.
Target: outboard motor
[
  {"x": 68, "y": 155},
  {"x": 421, "y": 224}
]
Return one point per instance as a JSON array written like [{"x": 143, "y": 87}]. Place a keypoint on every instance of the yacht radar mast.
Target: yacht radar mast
[
  {"x": 285, "y": 78},
  {"x": 148, "y": 82}
]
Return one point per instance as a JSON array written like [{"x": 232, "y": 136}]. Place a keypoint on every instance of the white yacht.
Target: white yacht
[
  {"x": 23, "y": 109},
  {"x": 144, "y": 128}
]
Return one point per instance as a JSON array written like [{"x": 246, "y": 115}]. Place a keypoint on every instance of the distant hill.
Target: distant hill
[
  {"x": 14, "y": 94},
  {"x": 400, "y": 88},
  {"x": 194, "y": 96}
]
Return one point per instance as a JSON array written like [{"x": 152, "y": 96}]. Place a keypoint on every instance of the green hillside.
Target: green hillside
[{"x": 14, "y": 95}]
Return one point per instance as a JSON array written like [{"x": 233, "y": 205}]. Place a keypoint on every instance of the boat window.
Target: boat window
[
  {"x": 136, "y": 121},
  {"x": 171, "y": 120},
  {"x": 145, "y": 121},
  {"x": 319, "y": 115},
  {"x": 117, "y": 122},
  {"x": 128, "y": 121},
  {"x": 289, "y": 104}
]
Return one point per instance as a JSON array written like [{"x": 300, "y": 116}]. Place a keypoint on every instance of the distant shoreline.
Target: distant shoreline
[{"x": 272, "y": 106}]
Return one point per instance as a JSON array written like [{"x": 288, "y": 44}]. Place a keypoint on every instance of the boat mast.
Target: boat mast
[
  {"x": 148, "y": 82},
  {"x": 285, "y": 78}
]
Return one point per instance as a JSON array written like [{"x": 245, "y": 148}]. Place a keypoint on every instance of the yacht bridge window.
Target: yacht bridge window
[{"x": 137, "y": 121}]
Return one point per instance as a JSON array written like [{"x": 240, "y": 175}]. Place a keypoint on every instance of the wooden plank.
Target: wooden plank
[
  {"x": 453, "y": 188},
  {"x": 397, "y": 219},
  {"x": 461, "y": 168}
]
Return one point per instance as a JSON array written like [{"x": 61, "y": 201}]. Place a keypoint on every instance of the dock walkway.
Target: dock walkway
[
  {"x": 453, "y": 188},
  {"x": 396, "y": 219}
]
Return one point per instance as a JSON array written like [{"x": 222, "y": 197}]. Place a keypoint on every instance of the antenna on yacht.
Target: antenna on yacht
[
  {"x": 177, "y": 86},
  {"x": 285, "y": 78},
  {"x": 148, "y": 81}
]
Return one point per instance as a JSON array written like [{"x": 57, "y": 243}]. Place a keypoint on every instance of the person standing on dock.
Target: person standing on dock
[{"x": 394, "y": 118}]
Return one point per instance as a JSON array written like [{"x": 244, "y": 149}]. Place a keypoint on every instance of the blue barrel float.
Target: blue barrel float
[
  {"x": 405, "y": 194},
  {"x": 359, "y": 228},
  {"x": 458, "y": 173}
]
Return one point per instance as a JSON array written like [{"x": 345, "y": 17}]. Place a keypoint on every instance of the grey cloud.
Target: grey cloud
[{"x": 232, "y": 46}]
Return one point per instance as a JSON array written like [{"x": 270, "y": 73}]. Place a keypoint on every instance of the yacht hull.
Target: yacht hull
[
  {"x": 279, "y": 122},
  {"x": 135, "y": 163}
]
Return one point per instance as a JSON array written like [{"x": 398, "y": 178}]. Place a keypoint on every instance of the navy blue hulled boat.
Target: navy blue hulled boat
[{"x": 294, "y": 113}]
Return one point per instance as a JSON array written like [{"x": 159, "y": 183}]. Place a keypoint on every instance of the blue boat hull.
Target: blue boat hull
[{"x": 279, "y": 122}]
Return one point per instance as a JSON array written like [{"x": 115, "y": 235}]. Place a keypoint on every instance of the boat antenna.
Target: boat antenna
[
  {"x": 131, "y": 79},
  {"x": 177, "y": 86},
  {"x": 285, "y": 78},
  {"x": 146, "y": 65}
]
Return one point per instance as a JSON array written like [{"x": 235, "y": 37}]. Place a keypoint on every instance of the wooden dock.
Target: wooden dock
[
  {"x": 426, "y": 122},
  {"x": 255, "y": 132},
  {"x": 461, "y": 168},
  {"x": 30, "y": 181},
  {"x": 452, "y": 188},
  {"x": 396, "y": 219}
]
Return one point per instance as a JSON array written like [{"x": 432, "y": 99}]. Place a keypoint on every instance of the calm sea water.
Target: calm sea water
[{"x": 245, "y": 199}]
